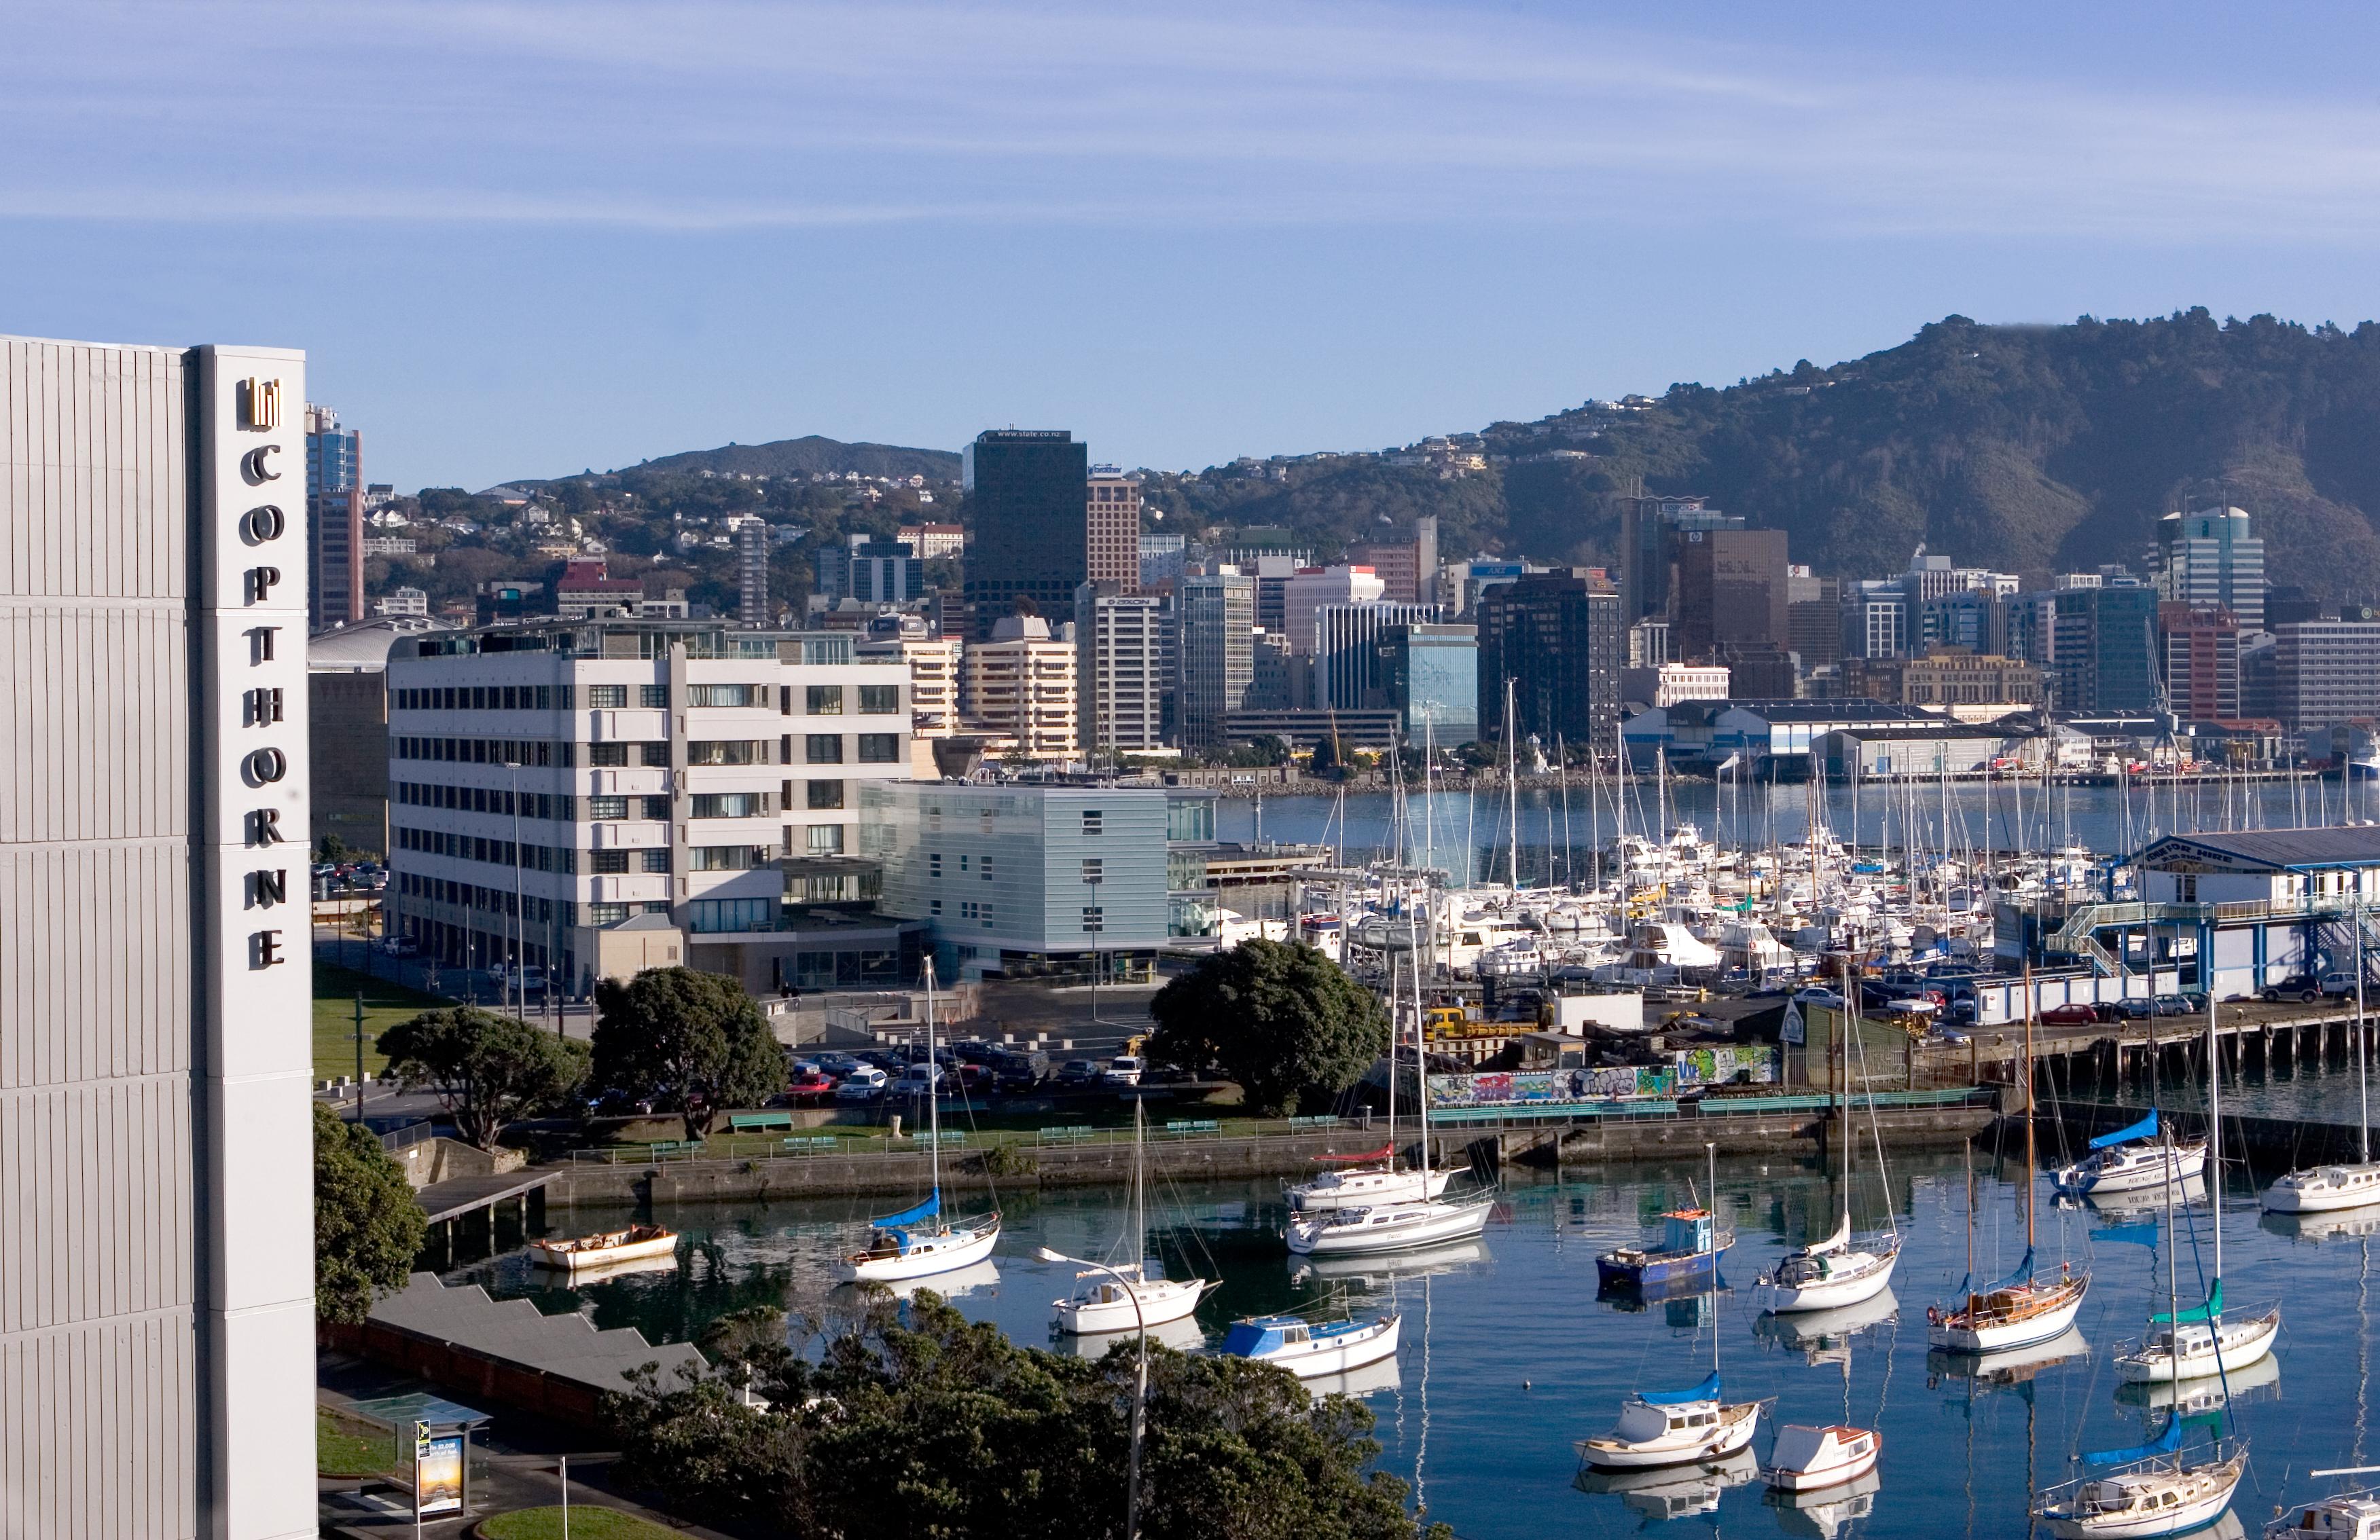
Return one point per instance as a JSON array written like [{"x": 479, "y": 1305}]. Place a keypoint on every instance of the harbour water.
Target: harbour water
[{"x": 1507, "y": 1355}]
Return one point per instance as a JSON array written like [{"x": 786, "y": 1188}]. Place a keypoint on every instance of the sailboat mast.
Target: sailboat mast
[
  {"x": 933, "y": 1088},
  {"x": 2214, "y": 1115},
  {"x": 1392, "y": 1067},
  {"x": 2363, "y": 1090},
  {"x": 1511, "y": 789},
  {"x": 1843, "y": 1111},
  {"x": 1139, "y": 1191},
  {"x": 1710, "y": 1154},
  {"x": 2029, "y": 1182}
]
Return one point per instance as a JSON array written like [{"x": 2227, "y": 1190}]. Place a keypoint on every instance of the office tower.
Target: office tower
[
  {"x": 156, "y": 1030},
  {"x": 1813, "y": 618},
  {"x": 1875, "y": 621},
  {"x": 1119, "y": 673},
  {"x": 1556, "y": 639},
  {"x": 1398, "y": 567},
  {"x": 1164, "y": 560},
  {"x": 2325, "y": 672},
  {"x": 334, "y": 513},
  {"x": 1272, "y": 575},
  {"x": 544, "y": 790},
  {"x": 1021, "y": 684},
  {"x": 1964, "y": 617},
  {"x": 867, "y": 568},
  {"x": 1346, "y": 651},
  {"x": 1218, "y": 651},
  {"x": 2208, "y": 557},
  {"x": 1648, "y": 644},
  {"x": 2106, "y": 657},
  {"x": 1429, "y": 675},
  {"x": 1756, "y": 671},
  {"x": 752, "y": 572},
  {"x": 1731, "y": 588},
  {"x": 1025, "y": 487},
  {"x": 1648, "y": 528},
  {"x": 2201, "y": 661},
  {"x": 1269, "y": 668},
  {"x": 1111, "y": 529},
  {"x": 1426, "y": 559},
  {"x": 1309, "y": 589}
]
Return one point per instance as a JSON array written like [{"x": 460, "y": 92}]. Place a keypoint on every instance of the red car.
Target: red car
[
  {"x": 2069, "y": 1016},
  {"x": 810, "y": 1089}
]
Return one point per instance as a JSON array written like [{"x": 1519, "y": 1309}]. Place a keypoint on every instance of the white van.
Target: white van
[
  {"x": 1123, "y": 1070},
  {"x": 865, "y": 1084}
]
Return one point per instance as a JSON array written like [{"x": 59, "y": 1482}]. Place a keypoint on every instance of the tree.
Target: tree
[
  {"x": 487, "y": 1069},
  {"x": 1283, "y": 1020},
  {"x": 690, "y": 1042},
  {"x": 368, "y": 1229},
  {"x": 920, "y": 1421}
]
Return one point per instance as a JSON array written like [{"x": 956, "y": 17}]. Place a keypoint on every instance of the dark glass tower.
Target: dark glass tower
[
  {"x": 1557, "y": 636},
  {"x": 1025, "y": 499}
]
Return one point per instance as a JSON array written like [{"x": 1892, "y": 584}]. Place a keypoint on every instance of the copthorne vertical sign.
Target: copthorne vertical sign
[{"x": 256, "y": 939}]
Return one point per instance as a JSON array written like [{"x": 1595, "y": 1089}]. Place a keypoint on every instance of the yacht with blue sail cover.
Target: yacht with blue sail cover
[
  {"x": 2152, "y": 1489},
  {"x": 2129, "y": 1159},
  {"x": 1673, "y": 1427}
]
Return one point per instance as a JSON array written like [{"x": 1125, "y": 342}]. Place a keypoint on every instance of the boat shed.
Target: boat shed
[
  {"x": 1703, "y": 734},
  {"x": 1889, "y": 749}
]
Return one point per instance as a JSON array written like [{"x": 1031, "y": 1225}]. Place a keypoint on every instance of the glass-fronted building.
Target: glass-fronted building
[
  {"x": 1025, "y": 489},
  {"x": 1429, "y": 673}
]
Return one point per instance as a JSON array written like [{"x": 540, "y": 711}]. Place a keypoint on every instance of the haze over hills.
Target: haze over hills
[{"x": 2031, "y": 449}]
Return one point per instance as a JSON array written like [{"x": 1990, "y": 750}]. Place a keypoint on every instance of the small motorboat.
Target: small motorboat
[
  {"x": 1311, "y": 1349},
  {"x": 1692, "y": 1242},
  {"x": 2324, "y": 1189},
  {"x": 606, "y": 1248},
  {"x": 1673, "y": 1427},
  {"x": 1105, "y": 1304},
  {"x": 2129, "y": 1159},
  {"x": 1808, "y": 1458},
  {"x": 2341, "y": 1516}
]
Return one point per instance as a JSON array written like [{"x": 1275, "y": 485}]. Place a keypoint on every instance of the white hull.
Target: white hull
[
  {"x": 2324, "y": 1190},
  {"x": 1831, "y": 1469},
  {"x": 2160, "y": 1169},
  {"x": 2000, "y": 1336},
  {"x": 1159, "y": 1299},
  {"x": 1729, "y": 1436},
  {"x": 1339, "y": 1354},
  {"x": 1388, "y": 1228},
  {"x": 2205, "y": 1493},
  {"x": 1182, "y": 1334},
  {"x": 2241, "y": 1343},
  {"x": 1370, "y": 1186},
  {"x": 1782, "y": 1299},
  {"x": 562, "y": 1255},
  {"x": 943, "y": 1252}
]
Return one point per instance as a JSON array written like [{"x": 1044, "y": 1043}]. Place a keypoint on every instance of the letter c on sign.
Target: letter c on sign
[
  {"x": 266, "y": 766},
  {"x": 261, "y": 523},
  {"x": 251, "y": 465}
]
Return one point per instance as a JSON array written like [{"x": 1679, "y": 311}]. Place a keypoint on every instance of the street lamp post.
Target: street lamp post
[
  {"x": 1095, "y": 921},
  {"x": 1140, "y": 1387}
]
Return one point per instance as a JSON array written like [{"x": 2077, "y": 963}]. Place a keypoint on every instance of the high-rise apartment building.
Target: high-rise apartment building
[
  {"x": 867, "y": 568},
  {"x": 2208, "y": 557},
  {"x": 1111, "y": 529},
  {"x": 1649, "y": 527},
  {"x": 334, "y": 520},
  {"x": 1875, "y": 621},
  {"x": 2201, "y": 661},
  {"x": 1732, "y": 586},
  {"x": 1429, "y": 676},
  {"x": 1021, "y": 684},
  {"x": 752, "y": 572},
  {"x": 1555, "y": 639},
  {"x": 549, "y": 782},
  {"x": 1025, "y": 489},
  {"x": 156, "y": 1039},
  {"x": 1218, "y": 613},
  {"x": 2325, "y": 672},
  {"x": 1120, "y": 670},
  {"x": 933, "y": 664}
]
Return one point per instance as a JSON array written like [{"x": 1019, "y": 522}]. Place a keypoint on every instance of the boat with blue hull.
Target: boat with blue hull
[{"x": 1693, "y": 1241}]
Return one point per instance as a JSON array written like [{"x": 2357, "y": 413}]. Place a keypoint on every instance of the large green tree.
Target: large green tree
[
  {"x": 368, "y": 1229},
  {"x": 693, "y": 1043},
  {"x": 920, "y": 1422},
  {"x": 487, "y": 1069},
  {"x": 1284, "y": 1020}
]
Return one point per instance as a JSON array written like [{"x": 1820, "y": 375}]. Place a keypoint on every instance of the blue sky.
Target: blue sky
[{"x": 519, "y": 238}]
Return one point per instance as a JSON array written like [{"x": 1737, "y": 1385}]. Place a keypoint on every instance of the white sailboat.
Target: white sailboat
[
  {"x": 1128, "y": 1299},
  {"x": 917, "y": 1241},
  {"x": 1829, "y": 1274},
  {"x": 1407, "y": 1224},
  {"x": 1676, "y": 1427},
  {"x": 2321, "y": 1189}
]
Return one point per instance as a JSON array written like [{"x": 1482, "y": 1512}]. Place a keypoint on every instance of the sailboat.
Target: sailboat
[
  {"x": 1829, "y": 1274},
  {"x": 917, "y": 1241},
  {"x": 1675, "y": 1427},
  {"x": 2185, "y": 1344},
  {"x": 2321, "y": 1189},
  {"x": 1128, "y": 1299},
  {"x": 1364, "y": 1183},
  {"x": 2021, "y": 1308},
  {"x": 2151, "y": 1489},
  {"x": 2129, "y": 1160},
  {"x": 1406, "y": 1224}
]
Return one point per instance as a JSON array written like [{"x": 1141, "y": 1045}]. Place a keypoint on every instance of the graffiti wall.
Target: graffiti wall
[{"x": 1754, "y": 1065}]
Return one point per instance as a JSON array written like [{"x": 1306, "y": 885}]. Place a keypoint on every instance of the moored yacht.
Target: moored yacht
[
  {"x": 1673, "y": 1427},
  {"x": 2129, "y": 1159},
  {"x": 1308, "y": 1349}
]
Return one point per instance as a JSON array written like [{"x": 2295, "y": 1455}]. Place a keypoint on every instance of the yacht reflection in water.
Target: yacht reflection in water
[{"x": 1673, "y": 1491}]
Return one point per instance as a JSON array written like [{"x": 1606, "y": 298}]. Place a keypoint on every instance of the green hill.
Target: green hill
[{"x": 807, "y": 455}]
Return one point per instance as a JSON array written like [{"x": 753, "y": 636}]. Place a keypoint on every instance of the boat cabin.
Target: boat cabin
[
  {"x": 1688, "y": 1231},
  {"x": 2355, "y": 1517},
  {"x": 1260, "y": 1335}
]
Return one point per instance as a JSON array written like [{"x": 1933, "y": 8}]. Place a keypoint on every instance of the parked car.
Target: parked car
[
  {"x": 1014, "y": 1072},
  {"x": 2109, "y": 1009},
  {"x": 917, "y": 1080},
  {"x": 2301, "y": 987},
  {"x": 1962, "y": 1012},
  {"x": 2339, "y": 986},
  {"x": 812, "y": 1088},
  {"x": 974, "y": 1050},
  {"x": 2195, "y": 1000},
  {"x": 1814, "y": 995},
  {"x": 2072, "y": 1013},
  {"x": 1078, "y": 1072},
  {"x": 865, "y": 1084},
  {"x": 2169, "y": 1005},
  {"x": 1123, "y": 1070},
  {"x": 2136, "y": 1007},
  {"x": 837, "y": 1064}
]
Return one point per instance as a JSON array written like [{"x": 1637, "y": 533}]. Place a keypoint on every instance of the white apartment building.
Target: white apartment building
[
  {"x": 1679, "y": 682},
  {"x": 933, "y": 664},
  {"x": 2325, "y": 672},
  {"x": 547, "y": 783},
  {"x": 1020, "y": 685},
  {"x": 1123, "y": 664}
]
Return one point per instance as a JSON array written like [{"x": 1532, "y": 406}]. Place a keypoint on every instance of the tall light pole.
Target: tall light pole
[
  {"x": 1095, "y": 921},
  {"x": 1140, "y": 1388}
]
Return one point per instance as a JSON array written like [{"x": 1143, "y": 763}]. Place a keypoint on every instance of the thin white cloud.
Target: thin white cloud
[{"x": 720, "y": 115}]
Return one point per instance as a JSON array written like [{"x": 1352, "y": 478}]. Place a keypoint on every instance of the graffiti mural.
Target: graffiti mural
[{"x": 1754, "y": 1065}]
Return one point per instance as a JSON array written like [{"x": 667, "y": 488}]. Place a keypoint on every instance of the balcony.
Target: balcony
[{"x": 629, "y": 836}]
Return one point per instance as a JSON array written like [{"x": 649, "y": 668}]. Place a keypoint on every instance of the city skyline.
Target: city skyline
[{"x": 548, "y": 246}]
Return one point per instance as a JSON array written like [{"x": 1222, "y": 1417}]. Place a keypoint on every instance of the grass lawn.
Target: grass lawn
[
  {"x": 585, "y": 1523},
  {"x": 385, "y": 1004},
  {"x": 339, "y": 1451}
]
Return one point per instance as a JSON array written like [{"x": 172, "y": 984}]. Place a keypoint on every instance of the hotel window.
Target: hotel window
[
  {"x": 606, "y": 914},
  {"x": 825, "y": 700},
  {"x": 877, "y": 700},
  {"x": 656, "y": 809},
  {"x": 607, "y": 755},
  {"x": 823, "y": 748},
  {"x": 606, "y": 697},
  {"x": 826, "y": 838},
  {"x": 604, "y": 809},
  {"x": 723, "y": 751},
  {"x": 653, "y": 697},
  {"x": 656, "y": 860},
  {"x": 880, "y": 748},
  {"x": 727, "y": 694},
  {"x": 1094, "y": 917},
  {"x": 653, "y": 756},
  {"x": 934, "y": 865},
  {"x": 731, "y": 805},
  {"x": 606, "y": 862},
  {"x": 726, "y": 857},
  {"x": 826, "y": 796},
  {"x": 1091, "y": 822}
]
